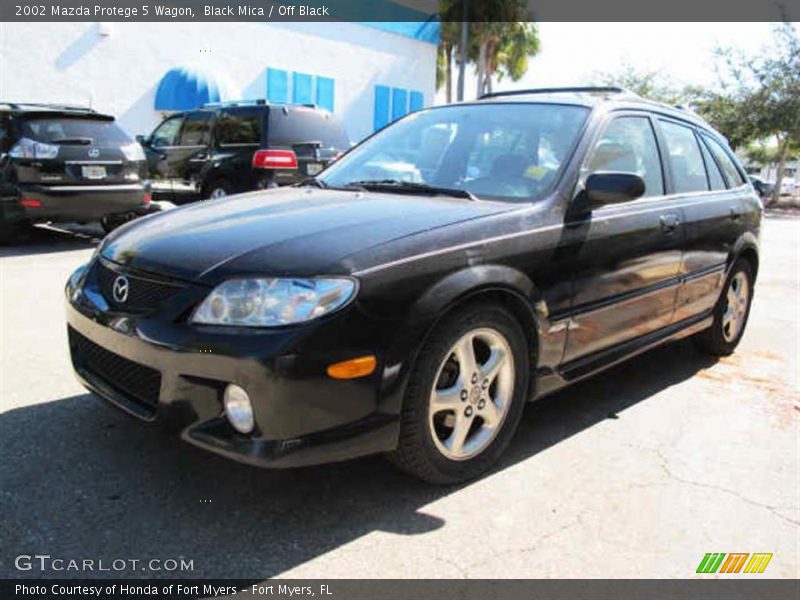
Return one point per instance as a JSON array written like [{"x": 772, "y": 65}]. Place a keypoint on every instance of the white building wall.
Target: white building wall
[{"x": 116, "y": 67}]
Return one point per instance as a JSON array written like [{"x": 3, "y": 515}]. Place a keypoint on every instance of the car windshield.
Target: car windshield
[
  {"x": 511, "y": 152},
  {"x": 74, "y": 130}
]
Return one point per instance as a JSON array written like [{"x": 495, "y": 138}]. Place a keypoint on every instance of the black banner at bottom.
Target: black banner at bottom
[{"x": 399, "y": 589}]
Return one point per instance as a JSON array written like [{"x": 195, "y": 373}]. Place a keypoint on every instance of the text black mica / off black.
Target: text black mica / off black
[{"x": 412, "y": 297}]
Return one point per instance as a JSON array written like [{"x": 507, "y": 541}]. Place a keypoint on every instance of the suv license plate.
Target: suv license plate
[
  {"x": 93, "y": 172},
  {"x": 313, "y": 168}
]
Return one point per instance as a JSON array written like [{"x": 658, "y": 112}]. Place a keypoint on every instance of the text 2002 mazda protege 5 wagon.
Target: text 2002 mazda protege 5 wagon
[{"x": 417, "y": 293}]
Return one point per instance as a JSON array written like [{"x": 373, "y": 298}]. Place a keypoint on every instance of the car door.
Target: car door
[
  {"x": 191, "y": 156},
  {"x": 625, "y": 257},
  {"x": 714, "y": 218},
  {"x": 159, "y": 149}
]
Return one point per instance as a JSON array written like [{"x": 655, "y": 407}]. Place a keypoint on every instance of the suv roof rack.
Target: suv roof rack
[
  {"x": 46, "y": 106},
  {"x": 554, "y": 90},
  {"x": 254, "y": 102}
]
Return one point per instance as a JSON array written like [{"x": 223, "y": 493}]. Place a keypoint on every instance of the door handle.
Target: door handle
[
  {"x": 669, "y": 223},
  {"x": 202, "y": 157}
]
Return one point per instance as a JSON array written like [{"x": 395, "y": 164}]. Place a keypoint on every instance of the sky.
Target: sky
[{"x": 571, "y": 53}]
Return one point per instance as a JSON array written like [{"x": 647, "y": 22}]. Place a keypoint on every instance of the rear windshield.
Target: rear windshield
[
  {"x": 305, "y": 126},
  {"x": 65, "y": 130}
]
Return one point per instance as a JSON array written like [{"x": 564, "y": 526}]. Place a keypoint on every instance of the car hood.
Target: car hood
[{"x": 290, "y": 231}]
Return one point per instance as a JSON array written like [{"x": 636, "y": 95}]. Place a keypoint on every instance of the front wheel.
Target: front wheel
[
  {"x": 730, "y": 313},
  {"x": 465, "y": 396}
]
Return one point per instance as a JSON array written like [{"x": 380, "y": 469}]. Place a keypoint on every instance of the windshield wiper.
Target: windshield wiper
[{"x": 410, "y": 187}]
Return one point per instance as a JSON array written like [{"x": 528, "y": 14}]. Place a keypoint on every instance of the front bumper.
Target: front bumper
[
  {"x": 81, "y": 203},
  {"x": 160, "y": 369}
]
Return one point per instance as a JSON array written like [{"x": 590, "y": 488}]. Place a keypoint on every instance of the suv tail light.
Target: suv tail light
[
  {"x": 28, "y": 148},
  {"x": 274, "y": 159}
]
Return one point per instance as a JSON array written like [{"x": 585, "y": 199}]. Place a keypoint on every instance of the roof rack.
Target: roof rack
[
  {"x": 46, "y": 105},
  {"x": 254, "y": 102},
  {"x": 554, "y": 90}
]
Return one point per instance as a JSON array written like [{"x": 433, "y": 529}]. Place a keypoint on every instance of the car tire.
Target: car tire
[
  {"x": 730, "y": 313},
  {"x": 13, "y": 232},
  {"x": 217, "y": 189},
  {"x": 109, "y": 224},
  {"x": 444, "y": 445}
]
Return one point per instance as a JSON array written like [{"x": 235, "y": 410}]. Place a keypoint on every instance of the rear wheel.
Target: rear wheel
[
  {"x": 217, "y": 189},
  {"x": 730, "y": 314},
  {"x": 465, "y": 397}
]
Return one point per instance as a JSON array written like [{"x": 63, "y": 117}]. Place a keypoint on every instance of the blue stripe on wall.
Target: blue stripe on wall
[
  {"x": 302, "y": 88},
  {"x": 382, "y": 102},
  {"x": 277, "y": 85},
  {"x": 416, "y": 101},
  {"x": 325, "y": 93},
  {"x": 399, "y": 103}
]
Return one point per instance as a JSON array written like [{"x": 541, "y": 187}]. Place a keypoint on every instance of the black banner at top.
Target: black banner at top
[{"x": 398, "y": 10}]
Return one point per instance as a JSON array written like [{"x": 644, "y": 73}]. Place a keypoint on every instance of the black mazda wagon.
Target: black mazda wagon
[{"x": 414, "y": 295}]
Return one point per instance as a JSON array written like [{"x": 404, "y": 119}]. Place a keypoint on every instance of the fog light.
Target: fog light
[{"x": 238, "y": 408}]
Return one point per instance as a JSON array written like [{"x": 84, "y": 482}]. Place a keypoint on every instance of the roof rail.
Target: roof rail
[
  {"x": 48, "y": 105},
  {"x": 254, "y": 102},
  {"x": 553, "y": 90}
]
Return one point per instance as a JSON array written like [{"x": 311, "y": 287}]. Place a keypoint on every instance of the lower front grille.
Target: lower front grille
[{"x": 137, "y": 383}]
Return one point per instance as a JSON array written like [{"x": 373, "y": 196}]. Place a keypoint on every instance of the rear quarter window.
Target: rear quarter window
[
  {"x": 732, "y": 174},
  {"x": 56, "y": 130},
  {"x": 304, "y": 126}
]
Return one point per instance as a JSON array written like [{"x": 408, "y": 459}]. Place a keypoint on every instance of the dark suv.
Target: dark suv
[
  {"x": 225, "y": 149},
  {"x": 60, "y": 163},
  {"x": 411, "y": 298}
]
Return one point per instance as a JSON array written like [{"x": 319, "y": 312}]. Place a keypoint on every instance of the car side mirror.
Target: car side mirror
[
  {"x": 608, "y": 187},
  {"x": 143, "y": 140}
]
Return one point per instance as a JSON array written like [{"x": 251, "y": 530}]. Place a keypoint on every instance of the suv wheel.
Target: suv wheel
[
  {"x": 730, "y": 314},
  {"x": 465, "y": 396},
  {"x": 217, "y": 189}
]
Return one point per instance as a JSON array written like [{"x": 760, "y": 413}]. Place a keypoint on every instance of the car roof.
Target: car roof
[
  {"x": 606, "y": 98},
  {"x": 45, "y": 109}
]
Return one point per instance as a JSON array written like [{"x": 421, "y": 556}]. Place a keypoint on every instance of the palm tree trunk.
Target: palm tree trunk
[
  {"x": 481, "y": 67},
  {"x": 783, "y": 153},
  {"x": 448, "y": 75}
]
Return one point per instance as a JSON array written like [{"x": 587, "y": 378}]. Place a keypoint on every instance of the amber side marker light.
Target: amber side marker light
[{"x": 353, "y": 368}]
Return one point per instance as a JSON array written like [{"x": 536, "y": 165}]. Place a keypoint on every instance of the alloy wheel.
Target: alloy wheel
[
  {"x": 473, "y": 391},
  {"x": 737, "y": 299}
]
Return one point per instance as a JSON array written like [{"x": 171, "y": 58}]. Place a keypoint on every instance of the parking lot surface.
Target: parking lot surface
[{"x": 636, "y": 473}]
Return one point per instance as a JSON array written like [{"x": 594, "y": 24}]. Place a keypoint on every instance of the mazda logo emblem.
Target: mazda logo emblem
[
  {"x": 120, "y": 289},
  {"x": 94, "y": 152}
]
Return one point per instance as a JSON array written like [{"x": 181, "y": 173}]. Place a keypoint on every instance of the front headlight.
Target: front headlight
[
  {"x": 75, "y": 283},
  {"x": 273, "y": 302},
  {"x": 133, "y": 151}
]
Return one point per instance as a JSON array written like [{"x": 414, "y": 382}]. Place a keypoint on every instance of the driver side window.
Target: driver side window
[
  {"x": 628, "y": 145},
  {"x": 166, "y": 134}
]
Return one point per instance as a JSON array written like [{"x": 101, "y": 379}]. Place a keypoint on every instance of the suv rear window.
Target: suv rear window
[
  {"x": 238, "y": 127},
  {"x": 303, "y": 126},
  {"x": 63, "y": 130}
]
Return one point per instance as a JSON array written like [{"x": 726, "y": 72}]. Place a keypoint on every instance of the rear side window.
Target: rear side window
[
  {"x": 714, "y": 174},
  {"x": 196, "y": 130},
  {"x": 685, "y": 158},
  {"x": 628, "y": 145},
  {"x": 239, "y": 127},
  {"x": 65, "y": 130},
  {"x": 299, "y": 126},
  {"x": 732, "y": 174}
]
